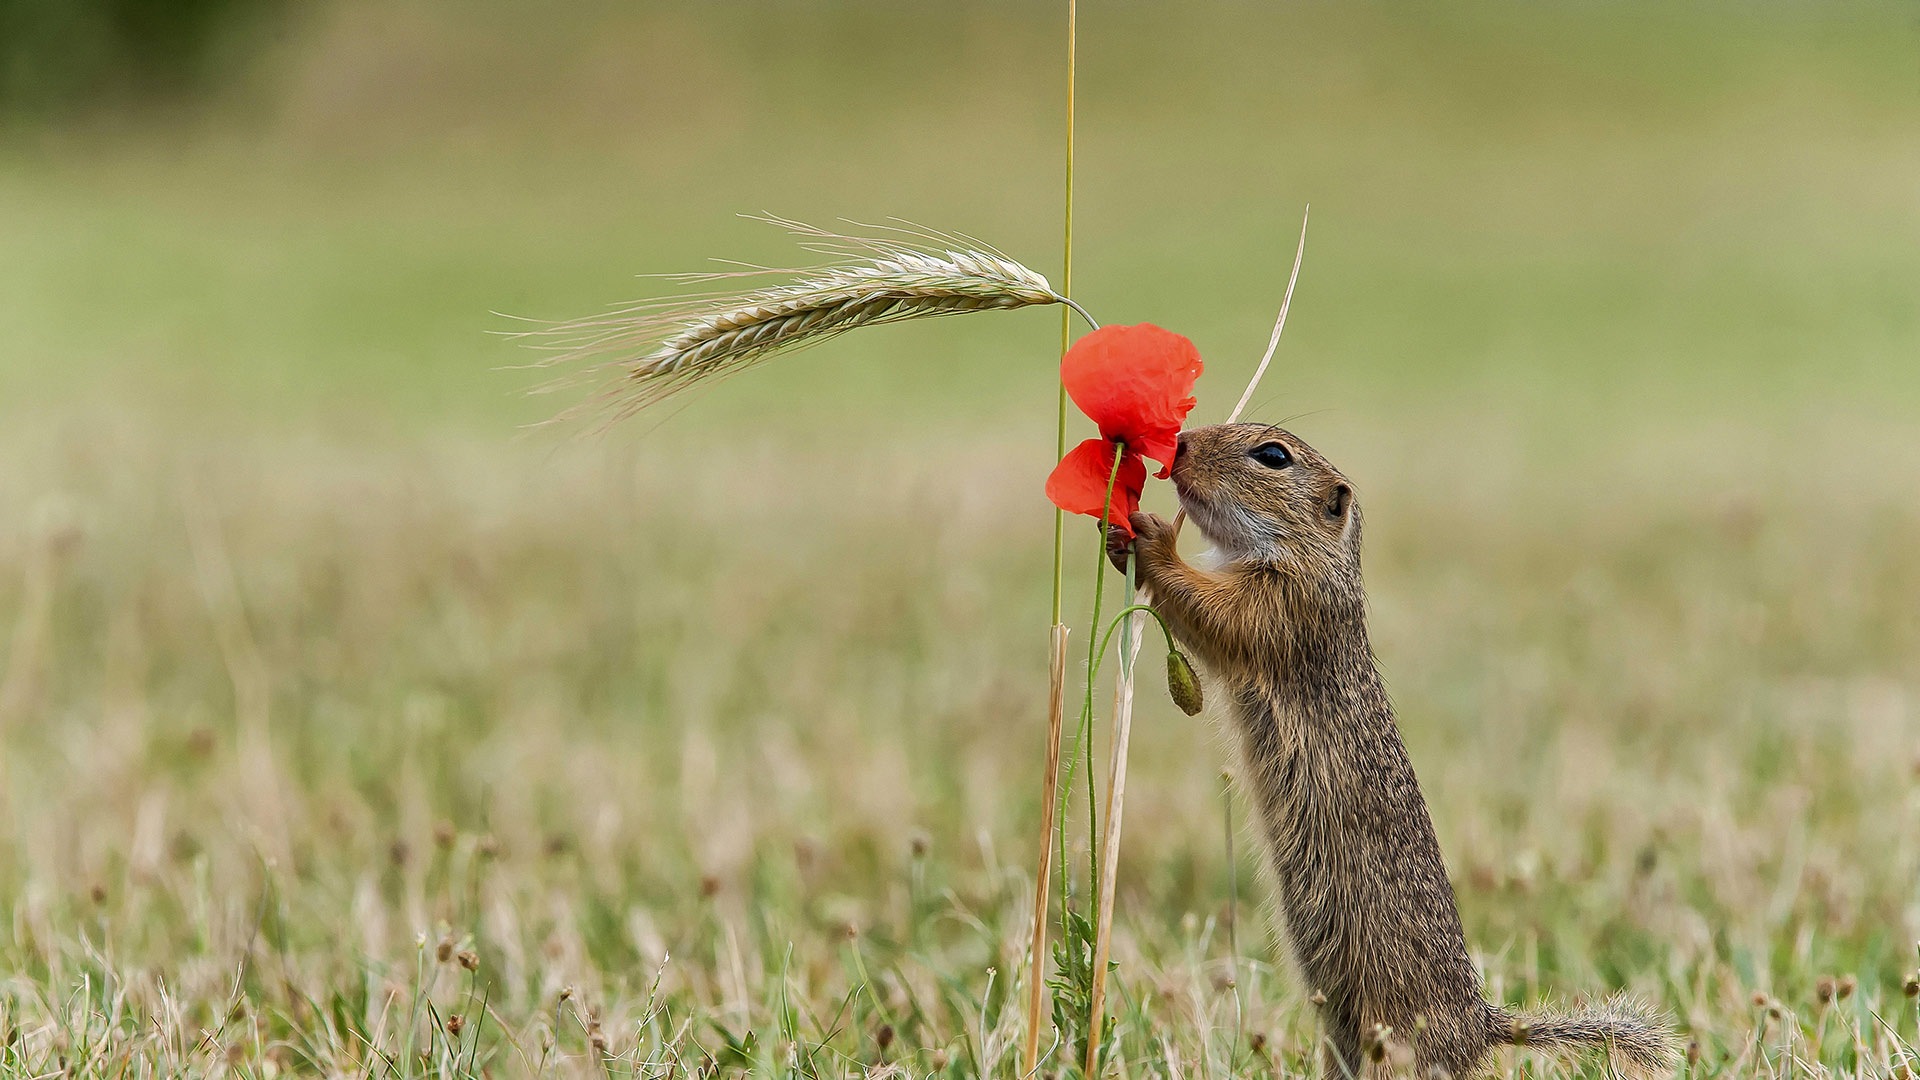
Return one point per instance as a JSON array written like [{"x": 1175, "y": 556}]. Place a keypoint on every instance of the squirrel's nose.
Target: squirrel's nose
[{"x": 1180, "y": 447}]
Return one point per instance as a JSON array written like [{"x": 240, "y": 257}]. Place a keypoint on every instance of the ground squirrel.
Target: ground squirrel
[{"x": 1277, "y": 615}]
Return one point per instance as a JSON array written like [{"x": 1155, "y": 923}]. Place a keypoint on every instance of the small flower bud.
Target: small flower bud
[
  {"x": 455, "y": 1024},
  {"x": 1848, "y": 984},
  {"x": 884, "y": 1037},
  {"x": 1182, "y": 684},
  {"x": 1823, "y": 989},
  {"x": 1912, "y": 986},
  {"x": 469, "y": 959},
  {"x": 1693, "y": 1051}
]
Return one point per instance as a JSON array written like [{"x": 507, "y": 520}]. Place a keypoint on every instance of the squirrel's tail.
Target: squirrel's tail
[{"x": 1638, "y": 1040}]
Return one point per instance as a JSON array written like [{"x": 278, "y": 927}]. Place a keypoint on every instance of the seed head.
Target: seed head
[
  {"x": 1693, "y": 1051},
  {"x": 1848, "y": 984},
  {"x": 455, "y": 1024},
  {"x": 444, "y": 951},
  {"x": 884, "y": 1037},
  {"x": 1823, "y": 989},
  {"x": 469, "y": 959},
  {"x": 1912, "y": 986},
  {"x": 668, "y": 348},
  {"x": 1759, "y": 1000},
  {"x": 1257, "y": 1042},
  {"x": 443, "y": 833}
]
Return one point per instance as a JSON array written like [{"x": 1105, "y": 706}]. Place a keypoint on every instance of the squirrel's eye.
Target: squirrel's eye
[{"x": 1272, "y": 455}]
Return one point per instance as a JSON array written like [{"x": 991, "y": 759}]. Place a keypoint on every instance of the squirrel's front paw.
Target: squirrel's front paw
[
  {"x": 1119, "y": 546},
  {"x": 1150, "y": 530}
]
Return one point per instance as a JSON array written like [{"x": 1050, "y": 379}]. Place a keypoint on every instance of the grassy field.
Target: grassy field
[{"x": 348, "y": 729}]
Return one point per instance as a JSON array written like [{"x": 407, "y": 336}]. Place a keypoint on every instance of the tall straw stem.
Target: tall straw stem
[
  {"x": 1109, "y": 867},
  {"x": 1057, "y": 636}
]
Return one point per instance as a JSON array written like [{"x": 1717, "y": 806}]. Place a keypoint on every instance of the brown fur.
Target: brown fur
[{"x": 1281, "y": 627}]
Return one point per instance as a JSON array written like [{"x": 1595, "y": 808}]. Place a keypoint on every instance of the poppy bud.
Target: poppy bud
[{"x": 1182, "y": 684}]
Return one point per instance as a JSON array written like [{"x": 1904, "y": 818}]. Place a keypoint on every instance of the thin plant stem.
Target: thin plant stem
[
  {"x": 1056, "y": 713},
  {"x": 1273, "y": 342},
  {"x": 1095, "y": 647},
  {"x": 1066, "y": 318},
  {"x": 1279, "y": 324},
  {"x": 1233, "y": 915},
  {"x": 1116, "y": 807},
  {"x": 1057, "y": 636}
]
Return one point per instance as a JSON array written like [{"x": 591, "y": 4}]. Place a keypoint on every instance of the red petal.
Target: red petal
[
  {"x": 1136, "y": 382},
  {"x": 1078, "y": 484}
]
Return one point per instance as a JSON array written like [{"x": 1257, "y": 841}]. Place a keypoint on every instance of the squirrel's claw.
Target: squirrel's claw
[{"x": 1119, "y": 547}]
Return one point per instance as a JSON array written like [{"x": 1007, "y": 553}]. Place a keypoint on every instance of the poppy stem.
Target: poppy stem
[{"x": 1084, "y": 729}]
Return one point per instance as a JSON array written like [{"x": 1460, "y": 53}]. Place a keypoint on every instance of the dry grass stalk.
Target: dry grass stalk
[
  {"x": 1043, "y": 878},
  {"x": 660, "y": 349},
  {"x": 1110, "y": 855},
  {"x": 1279, "y": 324}
]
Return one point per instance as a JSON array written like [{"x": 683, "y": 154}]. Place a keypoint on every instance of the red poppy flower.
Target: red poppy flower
[{"x": 1136, "y": 383}]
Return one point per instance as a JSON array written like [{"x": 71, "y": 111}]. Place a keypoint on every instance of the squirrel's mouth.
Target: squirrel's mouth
[
  {"x": 1198, "y": 509},
  {"x": 1226, "y": 530}
]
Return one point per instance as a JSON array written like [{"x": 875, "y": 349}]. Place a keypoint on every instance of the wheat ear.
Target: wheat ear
[{"x": 659, "y": 350}]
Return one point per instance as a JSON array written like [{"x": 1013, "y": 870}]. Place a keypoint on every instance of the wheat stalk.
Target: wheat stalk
[{"x": 661, "y": 349}]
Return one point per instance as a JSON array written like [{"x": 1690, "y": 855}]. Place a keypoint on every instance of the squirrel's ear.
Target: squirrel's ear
[{"x": 1337, "y": 500}]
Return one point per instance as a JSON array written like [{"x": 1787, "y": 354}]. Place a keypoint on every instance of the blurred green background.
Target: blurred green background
[{"x": 1531, "y": 215}]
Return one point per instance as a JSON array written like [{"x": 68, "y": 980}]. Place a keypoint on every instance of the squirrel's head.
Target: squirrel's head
[{"x": 1259, "y": 493}]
